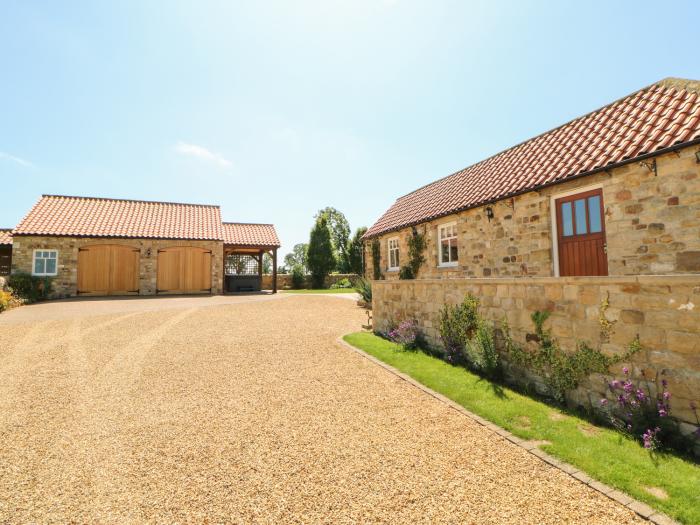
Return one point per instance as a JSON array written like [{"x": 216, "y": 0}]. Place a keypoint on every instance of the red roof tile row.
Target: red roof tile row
[
  {"x": 652, "y": 119},
  {"x": 246, "y": 234},
  {"x": 56, "y": 215},
  {"x": 99, "y": 217},
  {"x": 5, "y": 236}
]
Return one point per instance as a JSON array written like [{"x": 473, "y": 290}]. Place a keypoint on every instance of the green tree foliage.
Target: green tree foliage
[
  {"x": 297, "y": 257},
  {"x": 321, "y": 256},
  {"x": 340, "y": 236},
  {"x": 267, "y": 263},
  {"x": 355, "y": 249}
]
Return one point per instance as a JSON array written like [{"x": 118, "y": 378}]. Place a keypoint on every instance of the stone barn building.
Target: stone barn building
[{"x": 603, "y": 208}]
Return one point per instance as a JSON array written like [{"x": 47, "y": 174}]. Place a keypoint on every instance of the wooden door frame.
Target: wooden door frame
[{"x": 553, "y": 218}]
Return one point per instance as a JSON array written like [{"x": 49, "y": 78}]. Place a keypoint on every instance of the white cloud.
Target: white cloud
[
  {"x": 18, "y": 160},
  {"x": 193, "y": 150}
]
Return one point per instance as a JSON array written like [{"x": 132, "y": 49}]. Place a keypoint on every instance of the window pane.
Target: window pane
[
  {"x": 38, "y": 265},
  {"x": 51, "y": 266},
  {"x": 580, "y": 207},
  {"x": 453, "y": 251},
  {"x": 567, "y": 223},
  {"x": 396, "y": 257},
  {"x": 594, "y": 214},
  {"x": 445, "y": 251}
]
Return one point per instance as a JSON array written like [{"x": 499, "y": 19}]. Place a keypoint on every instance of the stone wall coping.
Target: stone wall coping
[{"x": 687, "y": 279}]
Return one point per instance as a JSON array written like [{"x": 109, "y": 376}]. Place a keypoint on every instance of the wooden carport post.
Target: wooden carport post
[{"x": 274, "y": 270}]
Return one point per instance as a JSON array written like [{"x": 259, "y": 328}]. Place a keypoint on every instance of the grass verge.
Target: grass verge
[
  {"x": 603, "y": 453},
  {"x": 321, "y": 290}
]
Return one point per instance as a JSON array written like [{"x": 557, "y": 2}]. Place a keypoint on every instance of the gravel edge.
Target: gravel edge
[{"x": 641, "y": 509}]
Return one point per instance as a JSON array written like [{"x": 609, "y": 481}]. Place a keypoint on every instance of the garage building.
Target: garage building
[{"x": 100, "y": 246}]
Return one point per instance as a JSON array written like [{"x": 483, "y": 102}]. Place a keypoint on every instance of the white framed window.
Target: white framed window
[
  {"x": 45, "y": 262},
  {"x": 447, "y": 245},
  {"x": 393, "y": 248}
]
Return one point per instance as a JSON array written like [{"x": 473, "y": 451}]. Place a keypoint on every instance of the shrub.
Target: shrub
[
  {"x": 457, "y": 326},
  {"x": 481, "y": 354},
  {"x": 644, "y": 416},
  {"x": 407, "y": 334},
  {"x": 563, "y": 371},
  {"x": 364, "y": 288},
  {"x": 7, "y": 301},
  {"x": 29, "y": 288},
  {"x": 298, "y": 276},
  {"x": 342, "y": 284}
]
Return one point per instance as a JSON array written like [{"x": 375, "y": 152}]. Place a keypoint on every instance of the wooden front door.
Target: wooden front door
[
  {"x": 581, "y": 234},
  {"x": 108, "y": 269},
  {"x": 184, "y": 269}
]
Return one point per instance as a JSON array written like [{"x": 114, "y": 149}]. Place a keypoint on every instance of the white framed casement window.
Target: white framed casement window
[
  {"x": 45, "y": 263},
  {"x": 393, "y": 249},
  {"x": 447, "y": 244}
]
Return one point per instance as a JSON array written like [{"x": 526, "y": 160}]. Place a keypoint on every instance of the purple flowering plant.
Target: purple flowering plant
[
  {"x": 407, "y": 334},
  {"x": 644, "y": 416}
]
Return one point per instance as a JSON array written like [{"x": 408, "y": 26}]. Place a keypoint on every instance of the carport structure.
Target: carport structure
[{"x": 245, "y": 245}]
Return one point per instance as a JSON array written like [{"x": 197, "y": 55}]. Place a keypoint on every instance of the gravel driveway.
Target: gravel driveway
[{"x": 246, "y": 411}]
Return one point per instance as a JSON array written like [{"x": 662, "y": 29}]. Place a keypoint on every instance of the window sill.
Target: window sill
[
  {"x": 447, "y": 266},
  {"x": 389, "y": 270}
]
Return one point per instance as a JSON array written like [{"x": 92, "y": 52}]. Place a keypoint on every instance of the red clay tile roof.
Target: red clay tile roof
[
  {"x": 244, "y": 234},
  {"x": 57, "y": 215},
  {"x": 660, "y": 116},
  {"x": 5, "y": 236}
]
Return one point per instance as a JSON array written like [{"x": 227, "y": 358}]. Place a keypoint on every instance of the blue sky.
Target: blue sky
[{"x": 277, "y": 109}]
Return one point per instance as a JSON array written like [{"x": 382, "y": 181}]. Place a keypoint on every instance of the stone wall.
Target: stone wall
[
  {"x": 65, "y": 283},
  {"x": 284, "y": 280},
  {"x": 663, "y": 310},
  {"x": 652, "y": 225}
]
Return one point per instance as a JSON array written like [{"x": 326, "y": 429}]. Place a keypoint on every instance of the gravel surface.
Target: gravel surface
[{"x": 248, "y": 412}]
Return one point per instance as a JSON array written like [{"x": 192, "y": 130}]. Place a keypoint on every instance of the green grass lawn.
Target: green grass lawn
[
  {"x": 603, "y": 453},
  {"x": 322, "y": 290}
]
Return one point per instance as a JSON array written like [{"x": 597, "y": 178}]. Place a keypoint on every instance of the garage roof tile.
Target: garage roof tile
[
  {"x": 248, "y": 234},
  {"x": 58, "y": 215},
  {"x": 5, "y": 236}
]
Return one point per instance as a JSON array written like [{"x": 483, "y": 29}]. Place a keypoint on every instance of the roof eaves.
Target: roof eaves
[{"x": 559, "y": 180}]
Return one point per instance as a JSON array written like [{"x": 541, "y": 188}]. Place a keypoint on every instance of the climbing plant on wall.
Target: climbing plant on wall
[
  {"x": 416, "y": 246},
  {"x": 376, "y": 259}
]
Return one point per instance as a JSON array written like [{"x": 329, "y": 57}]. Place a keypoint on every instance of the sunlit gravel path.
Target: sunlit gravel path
[{"x": 245, "y": 411}]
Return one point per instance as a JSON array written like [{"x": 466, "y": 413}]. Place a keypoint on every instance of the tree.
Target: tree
[
  {"x": 355, "y": 249},
  {"x": 340, "y": 234},
  {"x": 320, "y": 256},
  {"x": 267, "y": 263},
  {"x": 297, "y": 257}
]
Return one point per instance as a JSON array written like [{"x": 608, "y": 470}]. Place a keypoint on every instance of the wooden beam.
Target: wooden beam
[{"x": 274, "y": 270}]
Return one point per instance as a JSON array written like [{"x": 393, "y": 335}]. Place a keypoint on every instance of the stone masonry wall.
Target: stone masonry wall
[
  {"x": 652, "y": 225},
  {"x": 65, "y": 283},
  {"x": 284, "y": 280},
  {"x": 663, "y": 310}
]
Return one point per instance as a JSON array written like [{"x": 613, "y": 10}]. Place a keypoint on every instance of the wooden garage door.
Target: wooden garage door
[
  {"x": 184, "y": 269},
  {"x": 108, "y": 269}
]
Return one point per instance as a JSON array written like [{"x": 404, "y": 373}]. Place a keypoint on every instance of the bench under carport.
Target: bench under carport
[{"x": 245, "y": 245}]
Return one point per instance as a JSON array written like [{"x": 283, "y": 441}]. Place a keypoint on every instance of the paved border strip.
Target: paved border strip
[{"x": 641, "y": 509}]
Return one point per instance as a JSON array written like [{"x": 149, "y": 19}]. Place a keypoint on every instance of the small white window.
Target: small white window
[
  {"x": 393, "y": 244},
  {"x": 447, "y": 242},
  {"x": 45, "y": 262}
]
